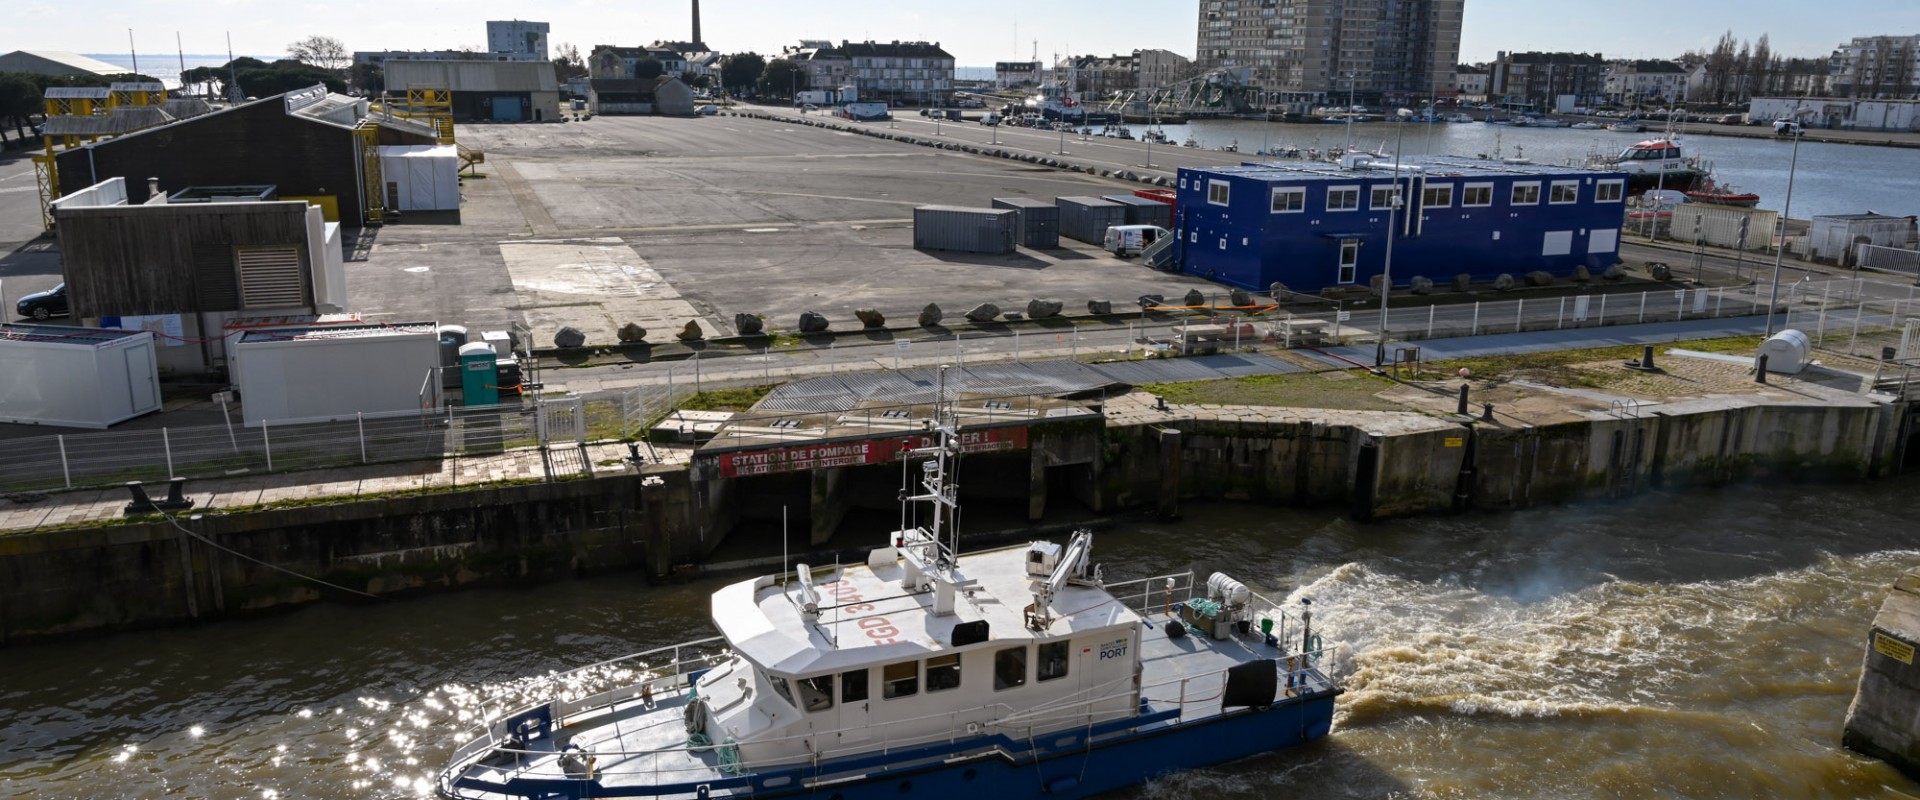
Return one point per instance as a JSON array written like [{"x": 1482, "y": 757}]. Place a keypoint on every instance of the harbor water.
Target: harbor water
[
  {"x": 1697, "y": 646},
  {"x": 1828, "y": 179}
]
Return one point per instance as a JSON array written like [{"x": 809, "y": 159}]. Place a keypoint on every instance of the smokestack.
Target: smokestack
[{"x": 696, "y": 22}]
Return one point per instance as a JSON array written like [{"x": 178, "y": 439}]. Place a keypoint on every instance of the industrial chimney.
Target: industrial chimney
[{"x": 696, "y": 22}]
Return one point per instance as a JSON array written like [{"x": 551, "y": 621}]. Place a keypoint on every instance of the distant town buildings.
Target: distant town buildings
[
  {"x": 1138, "y": 72},
  {"x": 914, "y": 72},
  {"x": 1302, "y": 52},
  {"x": 1471, "y": 82},
  {"x": 519, "y": 40},
  {"x": 1876, "y": 67},
  {"x": 1538, "y": 79},
  {"x": 1013, "y": 74},
  {"x": 685, "y": 60},
  {"x": 1645, "y": 82}
]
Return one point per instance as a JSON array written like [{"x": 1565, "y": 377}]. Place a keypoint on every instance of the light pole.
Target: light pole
[
  {"x": 1350, "y": 78},
  {"x": 1386, "y": 272},
  {"x": 1779, "y": 252}
]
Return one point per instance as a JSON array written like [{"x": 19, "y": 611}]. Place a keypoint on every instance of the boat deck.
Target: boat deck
[{"x": 1191, "y": 671}]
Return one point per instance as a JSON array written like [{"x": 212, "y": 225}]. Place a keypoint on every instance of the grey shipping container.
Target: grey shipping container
[
  {"x": 965, "y": 230},
  {"x": 1141, "y": 211},
  {"x": 1039, "y": 220},
  {"x": 1087, "y": 218}
]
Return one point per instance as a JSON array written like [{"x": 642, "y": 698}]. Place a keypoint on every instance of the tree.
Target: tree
[
  {"x": 740, "y": 72},
  {"x": 324, "y": 52},
  {"x": 370, "y": 79},
  {"x": 782, "y": 78},
  {"x": 649, "y": 68},
  {"x": 567, "y": 63},
  {"x": 19, "y": 101}
]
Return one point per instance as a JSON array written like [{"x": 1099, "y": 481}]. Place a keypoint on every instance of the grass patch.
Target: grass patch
[
  {"x": 738, "y": 398},
  {"x": 1558, "y": 365},
  {"x": 1352, "y": 390}
]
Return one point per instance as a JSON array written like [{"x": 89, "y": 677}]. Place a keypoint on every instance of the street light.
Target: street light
[
  {"x": 1386, "y": 273},
  {"x": 1779, "y": 252}
]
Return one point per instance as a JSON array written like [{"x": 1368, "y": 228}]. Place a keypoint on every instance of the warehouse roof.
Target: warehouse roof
[
  {"x": 56, "y": 62},
  {"x": 1432, "y": 166},
  {"x": 474, "y": 76}
]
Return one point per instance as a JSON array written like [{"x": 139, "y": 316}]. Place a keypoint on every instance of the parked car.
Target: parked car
[
  {"x": 707, "y": 109},
  {"x": 42, "y": 305},
  {"x": 809, "y": 107}
]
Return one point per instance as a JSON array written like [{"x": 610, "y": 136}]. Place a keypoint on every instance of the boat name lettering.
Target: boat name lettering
[{"x": 880, "y": 629}]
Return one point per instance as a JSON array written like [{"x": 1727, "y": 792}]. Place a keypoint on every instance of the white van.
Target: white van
[
  {"x": 990, "y": 119},
  {"x": 1130, "y": 240}
]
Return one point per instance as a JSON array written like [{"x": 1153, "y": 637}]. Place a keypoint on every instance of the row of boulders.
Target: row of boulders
[{"x": 1031, "y": 158}]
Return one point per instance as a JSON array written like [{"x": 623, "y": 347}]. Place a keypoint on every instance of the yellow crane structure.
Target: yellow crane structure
[{"x": 78, "y": 116}]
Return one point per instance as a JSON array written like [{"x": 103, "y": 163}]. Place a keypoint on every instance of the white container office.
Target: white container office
[
  {"x": 333, "y": 372},
  {"x": 76, "y": 377}
]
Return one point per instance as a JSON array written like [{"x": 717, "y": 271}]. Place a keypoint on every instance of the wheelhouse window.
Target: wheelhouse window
[
  {"x": 816, "y": 693},
  {"x": 1343, "y": 198},
  {"x": 1476, "y": 195},
  {"x": 1010, "y": 668},
  {"x": 900, "y": 680},
  {"x": 943, "y": 672},
  {"x": 853, "y": 686},
  {"x": 1053, "y": 660},
  {"x": 1608, "y": 191},
  {"x": 780, "y": 687},
  {"x": 1440, "y": 196},
  {"x": 1290, "y": 200},
  {"x": 1218, "y": 192},
  {"x": 1563, "y": 192},
  {"x": 1526, "y": 194}
]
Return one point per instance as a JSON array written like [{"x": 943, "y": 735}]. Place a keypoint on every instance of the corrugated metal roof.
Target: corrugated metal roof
[
  {"x": 63, "y": 334},
  {"x": 122, "y": 120},
  {"x": 44, "y": 61},
  {"x": 74, "y": 92},
  {"x": 474, "y": 76}
]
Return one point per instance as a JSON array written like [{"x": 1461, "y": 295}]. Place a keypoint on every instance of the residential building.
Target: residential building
[
  {"x": 1012, "y": 74},
  {"x": 825, "y": 65},
  {"x": 1098, "y": 77},
  {"x": 1471, "y": 82},
  {"x": 915, "y": 72},
  {"x": 1156, "y": 68},
  {"x": 1645, "y": 82},
  {"x": 665, "y": 95},
  {"x": 519, "y": 40},
  {"x": 1304, "y": 52},
  {"x": 1876, "y": 67},
  {"x": 490, "y": 91},
  {"x": 1538, "y": 79},
  {"x": 1318, "y": 226},
  {"x": 56, "y": 62}
]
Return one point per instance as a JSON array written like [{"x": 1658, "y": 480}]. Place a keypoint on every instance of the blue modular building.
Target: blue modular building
[{"x": 1317, "y": 225}]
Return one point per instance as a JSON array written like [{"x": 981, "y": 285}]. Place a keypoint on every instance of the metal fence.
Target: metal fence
[{"x": 1850, "y": 316}]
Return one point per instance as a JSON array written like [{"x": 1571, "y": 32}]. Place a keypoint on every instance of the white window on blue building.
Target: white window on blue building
[
  {"x": 1343, "y": 198},
  {"x": 1437, "y": 195},
  {"x": 1476, "y": 195},
  {"x": 1608, "y": 191},
  {"x": 1383, "y": 197},
  {"x": 1217, "y": 192},
  {"x": 1564, "y": 192},
  {"x": 1290, "y": 200},
  {"x": 1526, "y": 194},
  {"x": 1349, "y": 260}
]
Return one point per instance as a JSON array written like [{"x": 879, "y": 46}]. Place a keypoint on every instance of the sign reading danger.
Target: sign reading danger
[{"x": 856, "y": 454}]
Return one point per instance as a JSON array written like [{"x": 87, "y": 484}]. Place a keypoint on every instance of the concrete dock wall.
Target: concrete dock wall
[{"x": 1884, "y": 718}]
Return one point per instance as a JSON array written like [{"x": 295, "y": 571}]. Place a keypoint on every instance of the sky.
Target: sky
[{"x": 977, "y": 32}]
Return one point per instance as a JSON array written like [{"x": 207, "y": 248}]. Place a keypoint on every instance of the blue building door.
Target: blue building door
[{"x": 1349, "y": 260}]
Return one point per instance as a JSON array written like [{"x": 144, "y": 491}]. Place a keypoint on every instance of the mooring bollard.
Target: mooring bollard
[
  {"x": 1760, "y": 369},
  {"x": 1486, "y": 412},
  {"x": 1646, "y": 358},
  {"x": 1465, "y": 389}
]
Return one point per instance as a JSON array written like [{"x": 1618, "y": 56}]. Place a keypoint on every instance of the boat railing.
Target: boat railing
[
  {"x": 1141, "y": 594},
  {"x": 1159, "y": 594}
]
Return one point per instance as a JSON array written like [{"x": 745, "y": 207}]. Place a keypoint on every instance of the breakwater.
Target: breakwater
[{"x": 662, "y": 519}]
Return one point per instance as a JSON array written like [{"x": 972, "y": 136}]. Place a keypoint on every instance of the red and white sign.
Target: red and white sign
[{"x": 857, "y": 454}]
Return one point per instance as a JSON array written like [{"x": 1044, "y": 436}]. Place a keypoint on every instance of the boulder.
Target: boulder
[
  {"x": 931, "y": 315},
  {"x": 749, "y": 324},
  {"x": 1581, "y": 274},
  {"x": 870, "y": 318},
  {"x": 1151, "y": 300},
  {"x": 1099, "y": 306},
  {"x": 1659, "y": 271},
  {"x": 1420, "y": 284},
  {"x": 812, "y": 322},
  {"x": 568, "y": 338},
  {"x": 1615, "y": 273},
  {"x": 1279, "y": 292},
  {"x": 1195, "y": 298},
  {"x": 1539, "y": 277},
  {"x": 691, "y": 333},
  {"x": 1240, "y": 297},
  {"x": 1041, "y": 309},
  {"x": 1462, "y": 282},
  {"x": 1377, "y": 285},
  {"x": 632, "y": 333},
  {"x": 1503, "y": 283},
  {"x": 985, "y": 312}
]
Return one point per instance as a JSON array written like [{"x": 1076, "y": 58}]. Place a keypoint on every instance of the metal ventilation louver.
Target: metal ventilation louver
[{"x": 271, "y": 277}]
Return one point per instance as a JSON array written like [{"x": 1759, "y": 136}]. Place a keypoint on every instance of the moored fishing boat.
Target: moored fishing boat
[
  {"x": 1009, "y": 673},
  {"x": 1661, "y": 163}
]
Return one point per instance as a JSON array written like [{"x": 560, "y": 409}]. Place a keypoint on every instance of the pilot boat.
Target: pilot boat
[{"x": 1017, "y": 672}]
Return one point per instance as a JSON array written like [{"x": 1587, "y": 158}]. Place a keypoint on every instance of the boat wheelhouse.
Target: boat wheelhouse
[
  {"x": 1013, "y": 672},
  {"x": 1661, "y": 163}
]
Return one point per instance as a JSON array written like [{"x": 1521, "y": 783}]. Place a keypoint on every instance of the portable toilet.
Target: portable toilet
[{"x": 479, "y": 374}]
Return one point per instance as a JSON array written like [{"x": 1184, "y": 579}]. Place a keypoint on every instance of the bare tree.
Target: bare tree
[
  {"x": 1760, "y": 66},
  {"x": 567, "y": 63},
  {"x": 1720, "y": 67},
  {"x": 324, "y": 52}
]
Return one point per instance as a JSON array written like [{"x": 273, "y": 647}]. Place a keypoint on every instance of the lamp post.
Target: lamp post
[
  {"x": 1350, "y": 78},
  {"x": 1793, "y": 164},
  {"x": 1386, "y": 272}
]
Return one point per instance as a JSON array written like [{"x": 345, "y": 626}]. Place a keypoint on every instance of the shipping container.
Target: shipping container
[
  {"x": 331, "y": 372},
  {"x": 965, "y": 230},
  {"x": 1039, "y": 220},
  {"x": 1142, "y": 211},
  {"x": 76, "y": 377},
  {"x": 1086, "y": 219}
]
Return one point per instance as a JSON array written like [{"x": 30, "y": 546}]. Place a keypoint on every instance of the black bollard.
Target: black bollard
[
  {"x": 1760, "y": 369},
  {"x": 1646, "y": 359},
  {"x": 1464, "y": 390},
  {"x": 1486, "y": 412}
]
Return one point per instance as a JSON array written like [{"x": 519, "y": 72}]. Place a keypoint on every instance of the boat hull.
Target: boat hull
[
  {"x": 1674, "y": 180},
  {"x": 1058, "y": 765}
]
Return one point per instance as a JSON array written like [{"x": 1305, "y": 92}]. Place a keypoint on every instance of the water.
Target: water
[
  {"x": 165, "y": 67},
  {"x": 1829, "y": 178},
  {"x": 1700, "y": 646}
]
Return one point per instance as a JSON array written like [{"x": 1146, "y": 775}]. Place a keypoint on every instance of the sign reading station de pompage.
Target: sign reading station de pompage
[{"x": 862, "y": 453}]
